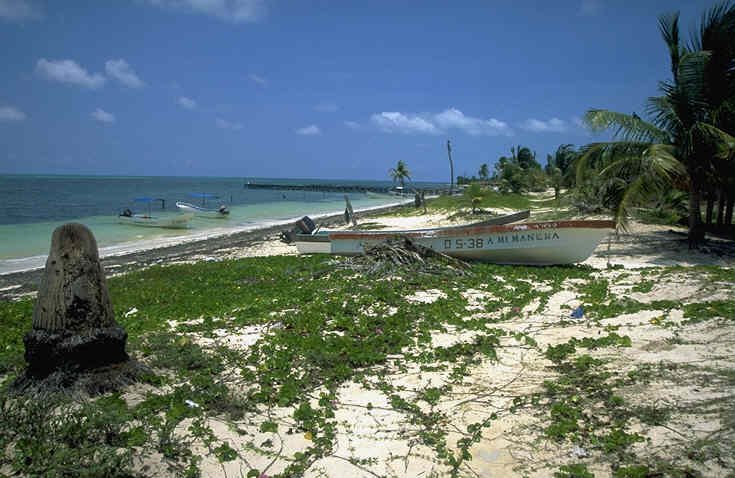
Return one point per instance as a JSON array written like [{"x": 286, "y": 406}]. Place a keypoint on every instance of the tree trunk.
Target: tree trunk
[
  {"x": 728, "y": 210},
  {"x": 710, "y": 207},
  {"x": 721, "y": 208},
  {"x": 451, "y": 168},
  {"x": 696, "y": 232}
]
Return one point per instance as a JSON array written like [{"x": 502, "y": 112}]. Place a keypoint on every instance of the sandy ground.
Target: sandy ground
[{"x": 375, "y": 440}]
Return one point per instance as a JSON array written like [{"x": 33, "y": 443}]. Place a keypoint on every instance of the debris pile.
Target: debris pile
[{"x": 401, "y": 254}]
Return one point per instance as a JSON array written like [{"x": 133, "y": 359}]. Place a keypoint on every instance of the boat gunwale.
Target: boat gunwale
[
  {"x": 196, "y": 208},
  {"x": 323, "y": 236},
  {"x": 474, "y": 229}
]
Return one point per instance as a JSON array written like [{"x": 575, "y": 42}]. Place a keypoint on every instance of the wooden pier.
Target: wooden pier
[{"x": 347, "y": 188}]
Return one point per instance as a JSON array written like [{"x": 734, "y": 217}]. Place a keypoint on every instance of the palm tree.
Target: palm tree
[
  {"x": 400, "y": 173},
  {"x": 684, "y": 134},
  {"x": 484, "y": 172}
]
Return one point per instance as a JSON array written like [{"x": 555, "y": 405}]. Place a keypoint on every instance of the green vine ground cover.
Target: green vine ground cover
[{"x": 277, "y": 406}]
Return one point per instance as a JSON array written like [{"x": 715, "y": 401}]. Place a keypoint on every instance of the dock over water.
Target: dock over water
[{"x": 346, "y": 188}]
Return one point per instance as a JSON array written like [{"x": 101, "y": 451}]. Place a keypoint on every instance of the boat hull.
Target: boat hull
[
  {"x": 202, "y": 212},
  {"x": 320, "y": 244},
  {"x": 546, "y": 243},
  {"x": 177, "y": 222},
  {"x": 313, "y": 244}
]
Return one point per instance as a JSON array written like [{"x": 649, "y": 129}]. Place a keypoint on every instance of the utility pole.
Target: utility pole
[{"x": 451, "y": 168}]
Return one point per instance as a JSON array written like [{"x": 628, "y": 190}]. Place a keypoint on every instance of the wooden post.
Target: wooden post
[{"x": 451, "y": 168}]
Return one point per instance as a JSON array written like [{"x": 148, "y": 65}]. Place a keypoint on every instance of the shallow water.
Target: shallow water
[{"x": 31, "y": 207}]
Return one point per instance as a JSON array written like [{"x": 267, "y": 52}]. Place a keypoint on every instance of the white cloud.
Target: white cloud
[
  {"x": 326, "y": 107},
  {"x": 187, "y": 103},
  {"x": 103, "y": 116},
  {"x": 453, "y": 118},
  {"x": 235, "y": 11},
  {"x": 311, "y": 130},
  {"x": 68, "y": 71},
  {"x": 18, "y": 10},
  {"x": 554, "y": 125},
  {"x": 228, "y": 125},
  {"x": 395, "y": 122},
  {"x": 352, "y": 125},
  {"x": 123, "y": 72},
  {"x": 8, "y": 113},
  {"x": 258, "y": 79},
  {"x": 439, "y": 123}
]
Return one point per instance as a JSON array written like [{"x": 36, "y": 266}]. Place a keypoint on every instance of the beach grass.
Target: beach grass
[{"x": 320, "y": 327}]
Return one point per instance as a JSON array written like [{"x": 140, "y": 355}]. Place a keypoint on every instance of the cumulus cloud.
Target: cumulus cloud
[
  {"x": 224, "y": 124},
  {"x": 123, "y": 72},
  {"x": 234, "y": 11},
  {"x": 453, "y": 118},
  {"x": 187, "y": 103},
  {"x": 311, "y": 130},
  {"x": 326, "y": 107},
  {"x": 18, "y": 10},
  {"x": 395, "y": 122},
  {"x": 352, "y": 125},
  {"x": 554, "y": 125},
  {"x": 439, "y": 123},
  {"x": 103, "y": 116},
  {"x": 259, "y": 80},
  {"x": 8, "y": 113},
  {"x": 69, "y": 71}
]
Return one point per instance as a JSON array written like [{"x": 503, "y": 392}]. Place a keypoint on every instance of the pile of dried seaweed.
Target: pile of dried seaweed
[{"x": 400, "y": 255}]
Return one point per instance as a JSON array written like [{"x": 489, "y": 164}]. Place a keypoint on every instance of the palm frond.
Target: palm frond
[
  {"x": 668, "y": 25},
  {"x": 627, "y": 127},
  {"x": 717, "y": 23},
  {"x": 664, "y": 115},
  {"x": 633, "y": 194},
  {"x": 723, "y": 143},
  {"x": 693, "y": 84},
  {"x": 596, "y": 156}
]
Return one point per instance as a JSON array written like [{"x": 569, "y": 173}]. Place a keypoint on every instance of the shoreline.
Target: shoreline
[{"x": 18, "y": 283}]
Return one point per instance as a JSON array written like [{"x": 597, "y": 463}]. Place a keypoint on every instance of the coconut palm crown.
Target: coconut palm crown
[
  {"x": 400, "y": 173},
  {"x": 691, "y": 122}
]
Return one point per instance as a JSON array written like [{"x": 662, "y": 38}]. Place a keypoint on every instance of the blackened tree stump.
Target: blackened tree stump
[{"x": 75, "y": 340}]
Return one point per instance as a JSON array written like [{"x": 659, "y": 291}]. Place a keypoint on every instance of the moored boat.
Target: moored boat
[
  {"x": 180, "y": 221},
  {"x": 220, "y": 213},
  {"x": 535, "y": 243}
]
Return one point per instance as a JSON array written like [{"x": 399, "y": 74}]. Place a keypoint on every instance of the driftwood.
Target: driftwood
[{"x": 400, "y": 254}]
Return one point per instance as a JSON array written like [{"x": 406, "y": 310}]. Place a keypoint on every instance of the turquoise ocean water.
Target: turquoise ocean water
[{"x": 32, "y": 206}]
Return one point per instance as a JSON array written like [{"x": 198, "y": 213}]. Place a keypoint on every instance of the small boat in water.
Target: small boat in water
[
  {"x": 532, "y": 243},
  {"x": 310, "y": 240},
  {"x": 222, "y": 212},
  {"x": 180, "y": 221}
]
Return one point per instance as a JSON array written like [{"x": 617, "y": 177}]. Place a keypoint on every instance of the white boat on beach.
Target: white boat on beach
[
  {"x": 318, "y": 241},
  {"x": 221, "y": 213},
  {"x": 180, "y": 221},
  {"x": 533, "y": 243}
]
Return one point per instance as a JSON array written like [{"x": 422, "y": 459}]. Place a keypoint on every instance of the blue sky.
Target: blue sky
[{"x": 318, "y": 89}]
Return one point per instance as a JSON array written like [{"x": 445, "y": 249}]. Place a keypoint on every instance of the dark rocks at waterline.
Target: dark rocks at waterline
[{"x": 75, "y": 342}]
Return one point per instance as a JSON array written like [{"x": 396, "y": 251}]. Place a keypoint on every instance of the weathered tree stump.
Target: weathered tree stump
[{"x": 75, "y": 340}]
